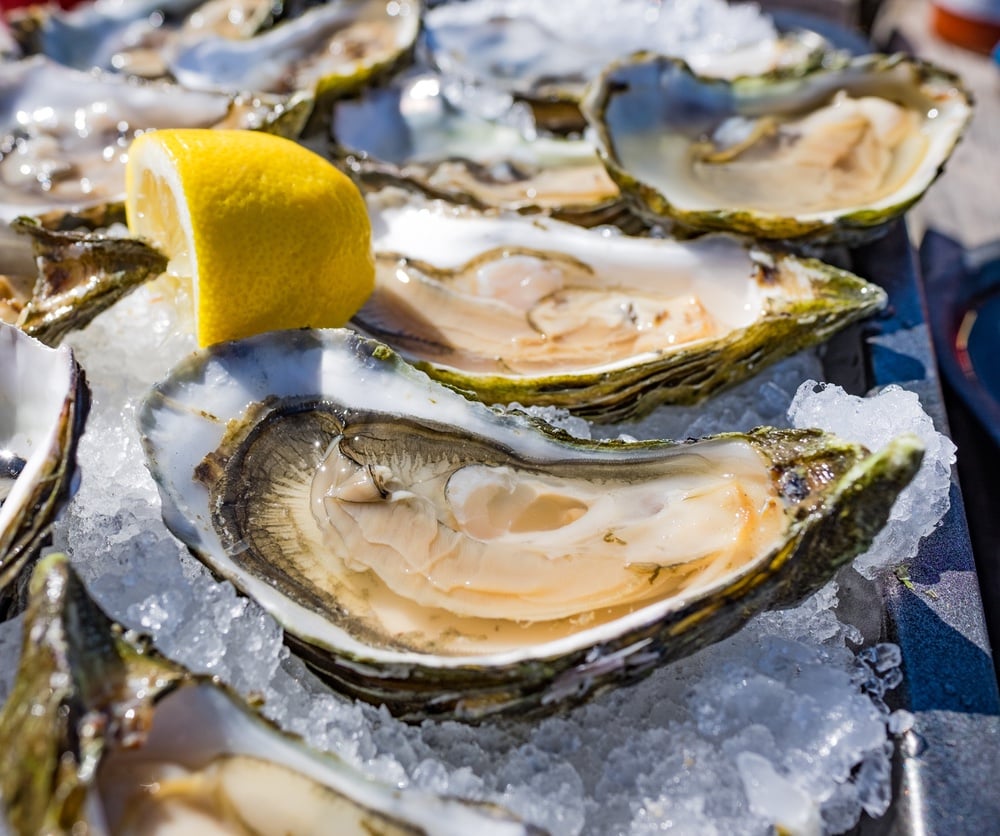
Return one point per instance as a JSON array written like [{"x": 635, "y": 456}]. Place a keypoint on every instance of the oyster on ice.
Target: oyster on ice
[
  {"x": 45, "y": 401},
  {"x": 236, "y": 47},
  {"x": 546, "y": 53},
  {"x": 329, "y": 50},
  {"x": 408, "y": 134},
  {"x": 426, "y": 552},
  {"x": 135, "y": 37},
  {"x": 828, "y": 156},
  {"x": 66, "y": 134},
  {"x": 530, "y": 310},
  {"x": 101, "y": 734}
]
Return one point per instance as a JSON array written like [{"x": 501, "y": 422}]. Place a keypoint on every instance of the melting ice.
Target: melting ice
[{"x": 782, "y": 724}]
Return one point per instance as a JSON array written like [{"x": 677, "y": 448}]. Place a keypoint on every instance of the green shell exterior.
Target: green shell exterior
[
  {"x": 850, "y": 226},
  {"x": 79, "y": 275},
  {"x": 75, "y": 695},
  {"x": 86, "y": 687},
  {"x": 689, "y": 374}
]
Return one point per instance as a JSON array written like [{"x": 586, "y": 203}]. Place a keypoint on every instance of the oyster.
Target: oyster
[
  {"x": 828, "y": 156},
  {"x": 236, "y": 47},
  {"x": 546, "y": 53},
  {"x": 329, "y": 50},
  {"x": 608, "y": 326},
  {"x": 45, "y": 403},
  {"x": 137, "y": 37},
  {"x": 409, "y": 134},
  {"x": 428, "y": 553},
  {"x": 101, "y": 734},
  {"x": 66, "y": 135}
]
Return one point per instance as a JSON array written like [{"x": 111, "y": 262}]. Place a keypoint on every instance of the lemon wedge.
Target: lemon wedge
[{"x": 272, "y": 235}]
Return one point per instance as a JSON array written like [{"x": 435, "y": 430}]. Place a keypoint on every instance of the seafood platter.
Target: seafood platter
[{"x": 622, "y": 505}]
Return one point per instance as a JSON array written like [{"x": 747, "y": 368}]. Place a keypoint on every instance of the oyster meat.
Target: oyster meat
[
  {"x": 409, "y": 134},
  {"x": 831, "y": 155},
  {"x": 534, "y": 311},
  {"x": 45, "y": 400},
  {"x": 101, "y": 734},
  {"x": 426, "y": 552}
]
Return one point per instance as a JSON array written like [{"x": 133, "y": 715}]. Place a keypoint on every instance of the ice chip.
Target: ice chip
[
  {"x": 777, "y": 799},
  {"x": 874, "y": 421},
  {"x": 882, "y": 657},
  {"x": 874, "y": 788},
  {"x": 900, "y": 721}
]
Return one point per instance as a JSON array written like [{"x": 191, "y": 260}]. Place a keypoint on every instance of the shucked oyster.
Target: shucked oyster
[
  {"x": 513, "y": 308},
  {"x": 44, "y": 402},
  {"x": 237, "y": 47},
  {"x": 137, "y": 37},
  {"x": 333, "y": 48},
  {"x": 546, "y": 53},
  {"x": 66, "y": 134},
  {"x": 409, "y": 134},
  {"x": 62, "y": 161},
  {"x": 425, "y": 552},
  {"x": 830, "y": 156},
  {"x": 102, "y": 735}
]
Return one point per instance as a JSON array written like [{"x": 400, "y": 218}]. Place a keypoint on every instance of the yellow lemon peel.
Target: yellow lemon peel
[{"x": 272, "y": 235}]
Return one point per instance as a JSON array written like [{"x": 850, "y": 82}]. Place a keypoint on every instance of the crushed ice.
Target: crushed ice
[{"x": 782, "y": 724}]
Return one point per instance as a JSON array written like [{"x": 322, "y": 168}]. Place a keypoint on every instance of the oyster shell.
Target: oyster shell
[
  {"x": 329, "y": 50},
  {"x": 236, "y": 47},
  {"x": 136, "y": 38},
  {"x": 101, "y": 734},
  {"x": 66, "y": 135},
  {"x": 408, "y": 134},
  {"x": 546, "y": 53},
  {"x": 353, "y": 496},
  {"x": 828, "y": 156},
  {"x": 45, "y": 401},
  {"x": 78, "y": 275},
  {"x": 523, "y": 309}
]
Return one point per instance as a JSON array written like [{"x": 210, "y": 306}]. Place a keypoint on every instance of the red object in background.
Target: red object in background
[
  {"x": 976, "y": 27},
  {"x": 14, "y": 4}
]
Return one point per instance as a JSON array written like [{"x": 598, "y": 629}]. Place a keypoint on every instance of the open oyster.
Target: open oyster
[
  {"x": 44, "y": 402},
  {"x": 66, "y": 135},
  {"x": 236, "y": 47},
  {"x": 426, "y": 552},
  {"x": 103, "y": 735},
  {"x": 409, "y": 134},
  {"x": 831, "y": 155},
  {"x": 534, "y": 311},
  {"x": 136, "y": 38},
  {"x": 330, "y": 49},
  {"x": 546, "y": 53}
]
